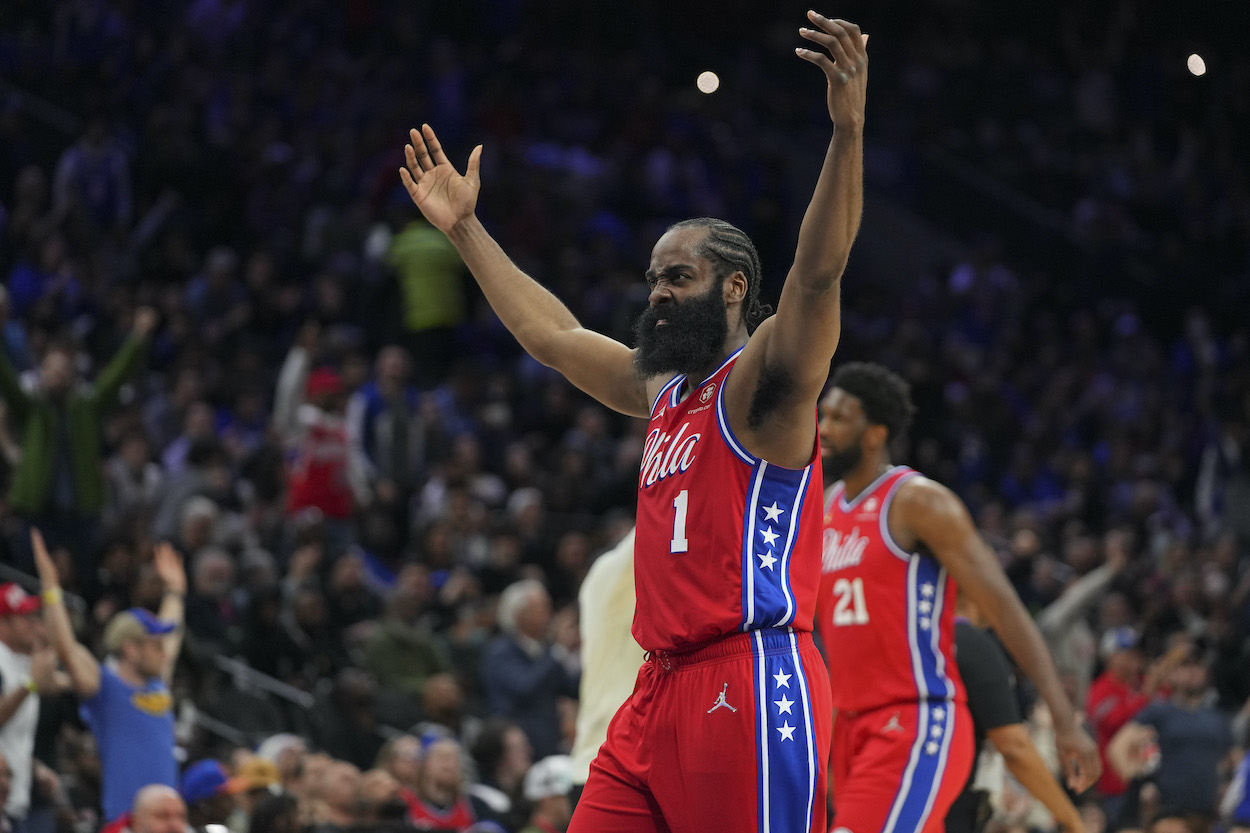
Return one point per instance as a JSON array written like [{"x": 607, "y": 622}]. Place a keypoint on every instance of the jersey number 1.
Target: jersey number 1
[
  {"x": 850, "y": 608},
  {"x": 679, "y": 542}
]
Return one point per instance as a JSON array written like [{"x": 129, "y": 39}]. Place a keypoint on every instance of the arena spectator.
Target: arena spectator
[
  {"x": 503, "y": 756},
  {"x": 441, "y": 800},
  {"x": 1121, "y": 691},
  {"x": 308, "y": 415},
  {"x": 547, "y": 787},
  {"x": 209, "y": 791},
  {"x": 58, "y": 484},
  {"x": 521, "y": 675},
  {"x": 158, "y": 809},
  {"x": 27, "y": 668},
  {"x": 388, "y": 436},
  {"x": 1186, "y": 748},
  {"x": 403, "y": 653},
  {"x": 128, "y": 707}
]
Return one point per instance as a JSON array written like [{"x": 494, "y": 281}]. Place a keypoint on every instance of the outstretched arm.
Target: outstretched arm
[
  {"x": 83, "y": 669},
  {"x": 173, "y": 602},
  {"x": 929, "y": 513},
  {"x": 1024, "y": 762},
  {"x": 808, "y": 312},
  {"x": 792, "y": 349},
  {"x": 548, "y": 331}
]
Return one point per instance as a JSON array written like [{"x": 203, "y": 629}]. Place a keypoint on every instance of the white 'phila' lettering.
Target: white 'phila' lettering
[
  {"x": 841, "y": 551},
  {"x": 665, "y": 455}
]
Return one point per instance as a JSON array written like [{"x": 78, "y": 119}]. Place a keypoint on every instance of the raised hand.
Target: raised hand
[
  {"x": 48, "y": 576},
  {"x": 145, "y": 321},
  {"x": 168, "y": 565},
  {"x": 845, "y": 66},
  {"x": 436, "y": 187}
]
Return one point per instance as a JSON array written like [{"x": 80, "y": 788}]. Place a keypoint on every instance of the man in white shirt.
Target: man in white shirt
[{"x": 27, "y": 667}]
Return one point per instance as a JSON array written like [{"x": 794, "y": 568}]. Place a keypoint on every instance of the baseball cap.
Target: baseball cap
[
  {"x": 274, "y": 747},
  {"x": 323, "y": 380},
  {"x": 14, "y": 601},
  {"x": 135, "y": 623},
  {"x": 257, "y": 774},
  {"x": 207, "y": 778},
  {"x": 1122, "y": 638},
  {"x": 548, "y": 777}
]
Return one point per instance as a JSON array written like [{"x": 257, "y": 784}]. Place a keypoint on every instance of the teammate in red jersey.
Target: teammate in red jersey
[
  {"x": 727, "y": 728},
  {"x": 895, "y": 544}
]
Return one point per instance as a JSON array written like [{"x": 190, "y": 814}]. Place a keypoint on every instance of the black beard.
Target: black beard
[
  {"x": 691, "y": 339},
  {"x": 839, "y": 463}
]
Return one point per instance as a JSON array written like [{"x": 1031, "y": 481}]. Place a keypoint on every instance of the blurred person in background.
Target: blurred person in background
[
  {"x": 126, "y": 702},
  {"x": 333, "y": 803},
  {"x": 503, "y": 755},
  {"x": 441, "y": 801},
  {"x": 547, "y": 787},
  {"x": 1181, "y": 744},
  {"x": 402, "y": 652},
  {"x": 27, "y": 669},
  {"x": 347, "y": 725},
  {"x": 430, "y": 274},
  {"x": 287, "y": 752},
  {"x": 388, "y": 436},
  {"x": 158, "y": 808},
  {"x": 401, "y": 758},
  {"x": 277, "y": 813},
  {"x": 92, "y": 188},
  {"x": 1072, "y": 642},
  {"x": 382, "y": 802},
  {"x": 209, "y": 793},
  {"x": 58, "y": 484},
  {"x": 258, "y": 780},
  {"x": 135, "y": 481},
  {"x": 520, "y": 672},
  {"x": 993, "y": 702},
  {"x": 1118, "y": 693},
  {"x": 309, "y": 417}
]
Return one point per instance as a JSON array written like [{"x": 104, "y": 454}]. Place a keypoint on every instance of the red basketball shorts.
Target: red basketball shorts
[
  {"x": 897, "y": 769},
  {"x": 732, "y": 737}
]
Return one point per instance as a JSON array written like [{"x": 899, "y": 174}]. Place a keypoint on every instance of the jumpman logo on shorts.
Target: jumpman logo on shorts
[
  {"x": 721, "y": 702},
  {"x": 893, "y": 725}
]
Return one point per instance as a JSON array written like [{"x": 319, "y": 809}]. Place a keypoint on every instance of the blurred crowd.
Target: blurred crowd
[{"x": 224, "y": 325}]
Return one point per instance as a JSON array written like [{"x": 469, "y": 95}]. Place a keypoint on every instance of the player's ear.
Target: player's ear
[
  {"x": 735, "y": 288},
  {"x": 877, "y": 436}
]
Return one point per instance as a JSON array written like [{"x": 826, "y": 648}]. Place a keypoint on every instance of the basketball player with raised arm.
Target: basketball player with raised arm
[
  {"x": 727, "y": 548},
  {"x": 895, "y": 544}
]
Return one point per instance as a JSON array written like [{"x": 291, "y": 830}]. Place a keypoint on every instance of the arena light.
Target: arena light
[{"x": 708, "y": 82}]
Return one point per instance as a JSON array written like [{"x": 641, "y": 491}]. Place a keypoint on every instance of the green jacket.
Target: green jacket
[{"x": 37, "y": 423}]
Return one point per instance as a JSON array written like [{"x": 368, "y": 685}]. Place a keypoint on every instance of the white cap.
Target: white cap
[{"x": 548, "y": 777}]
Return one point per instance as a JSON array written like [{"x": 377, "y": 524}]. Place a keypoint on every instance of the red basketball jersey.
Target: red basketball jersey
[
  {"x": 886, "y": 615},
  {"x": 726, "y": 542}
]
